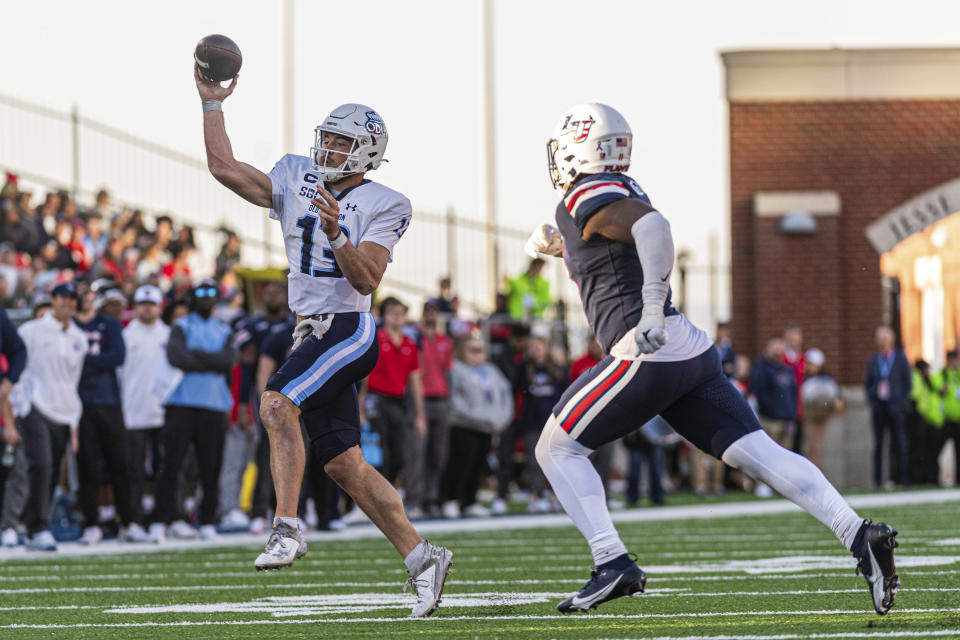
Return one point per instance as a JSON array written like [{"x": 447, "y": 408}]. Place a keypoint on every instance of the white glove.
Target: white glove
[
  {"x": 545, "y": 239},
  {"x": 650, "y": 334}
]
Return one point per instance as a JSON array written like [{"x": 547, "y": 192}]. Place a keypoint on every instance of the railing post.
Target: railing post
[
  {"x": 75, "y": 143},
  {"x": 450, "y": 221}
]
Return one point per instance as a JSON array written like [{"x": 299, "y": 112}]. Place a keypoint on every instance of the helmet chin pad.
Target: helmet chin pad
[{"x": 320, "y": 153}]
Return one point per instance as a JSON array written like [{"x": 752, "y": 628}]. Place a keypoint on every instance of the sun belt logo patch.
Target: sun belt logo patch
[
  {"x": 374, "y": 124},
  {"x": 579, "y": 129}
]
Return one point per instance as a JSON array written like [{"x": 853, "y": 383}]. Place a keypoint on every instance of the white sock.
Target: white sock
[
  {"x": 579, "y": 489},
  {"x": 796, "y": 478},
  {"x": 290, "y": 522},
  {"x": 416, "y": 557}
]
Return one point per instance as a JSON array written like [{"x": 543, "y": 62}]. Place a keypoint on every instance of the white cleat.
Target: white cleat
[
  {"x": 91, "y": 536},
  {"x": 258, "y": 526},
  {"x": 428, "y": 580},
  {"x": 41, "y": 541},
  {"x": 9, "y": 538},
  {"x": 356, "y": 516},
  {"x": 236, "y": 519},
  {"x": 450, "y": 509},
  {"x": 134, "y": 533},
  {"x": 476, "y": 510},
  {"x": 209, "y": 532},
  {"x": 181, "y": 531},
  {"x": 285, "y": 545},
  {"x": 158, "y": 532}
]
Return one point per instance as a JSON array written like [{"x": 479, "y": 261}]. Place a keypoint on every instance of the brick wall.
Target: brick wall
[{"x": 876, "y": 155}]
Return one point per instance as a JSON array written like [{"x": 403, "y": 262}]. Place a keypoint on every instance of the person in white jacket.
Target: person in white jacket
[
  {"x": 481, "y": 405},
  {"x": 142, "y": 391},
  {"x": 47, "y": 405}
]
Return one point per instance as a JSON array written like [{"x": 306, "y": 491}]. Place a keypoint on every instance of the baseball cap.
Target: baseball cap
[
  {"x": 206, "y": 288},
  {"x": 815, "y": 357},
  {"x": 65, "y": 289},
  {"x": 148, "y": 293},
  {"x": 110, "y": 295}
]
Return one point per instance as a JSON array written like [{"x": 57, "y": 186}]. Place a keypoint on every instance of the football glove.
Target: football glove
[
  {"x": 545, "y": 239},
  {"x": 650, "y": 334}
]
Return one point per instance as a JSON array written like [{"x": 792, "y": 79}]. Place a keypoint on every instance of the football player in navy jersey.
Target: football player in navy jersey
[
  {"x": 339, "y": 230},
  {"x": 619, "y": 251}
]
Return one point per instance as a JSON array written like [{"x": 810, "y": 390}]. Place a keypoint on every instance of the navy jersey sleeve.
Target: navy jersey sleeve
[
  {"x": 12, "y": 347},
  {"x": 276, "y": 346},
  {"x": 595, "y": 192},
  {"x": 113, "y": 351}
]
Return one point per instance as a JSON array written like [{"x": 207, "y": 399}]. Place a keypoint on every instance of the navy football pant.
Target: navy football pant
[
  {"x": 320, "y": 377},
  {"x": 618, "y": 396}
]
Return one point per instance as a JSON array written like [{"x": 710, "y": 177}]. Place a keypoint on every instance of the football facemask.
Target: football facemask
[{"x": 358, "y": 123}]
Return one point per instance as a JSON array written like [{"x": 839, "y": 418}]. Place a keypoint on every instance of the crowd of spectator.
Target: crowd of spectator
[{"x": 146, "y": 376}]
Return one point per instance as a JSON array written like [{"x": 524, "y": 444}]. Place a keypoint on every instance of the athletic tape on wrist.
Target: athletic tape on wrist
[
  {"x": 338, "y": 241},
  {"x": 211, "y": 105}
]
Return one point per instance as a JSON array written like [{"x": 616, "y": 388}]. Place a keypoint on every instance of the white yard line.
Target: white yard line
[
  {"x": 441, "y": 619},
  {"x": 660, "y": 592},
  {"x": 508, "y": 523},
  {"x": 792, "y": 636}
]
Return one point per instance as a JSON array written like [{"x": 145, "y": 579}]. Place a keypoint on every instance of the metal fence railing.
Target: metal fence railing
[{"x": 52, "y": 149}]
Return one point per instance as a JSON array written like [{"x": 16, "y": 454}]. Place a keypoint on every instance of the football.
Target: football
[{"x": 218, "y": 57}]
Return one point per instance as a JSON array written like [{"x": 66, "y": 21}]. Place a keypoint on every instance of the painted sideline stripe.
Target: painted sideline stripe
[
  {"x": 439, "y": 620},
  {"x": 506, "y": 523},
  {"x": 659, "y": 593}
]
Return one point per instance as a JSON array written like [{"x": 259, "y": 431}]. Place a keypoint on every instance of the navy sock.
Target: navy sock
[{"x": 622, "y": 561}]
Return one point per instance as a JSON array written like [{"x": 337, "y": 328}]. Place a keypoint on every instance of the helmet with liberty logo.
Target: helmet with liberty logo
[
  {"x": 589, "y": 138},
  {"x": 351, "y": 140}
]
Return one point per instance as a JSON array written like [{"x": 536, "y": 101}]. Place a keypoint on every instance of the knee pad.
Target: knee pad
[{"x": 555, "y": 442}]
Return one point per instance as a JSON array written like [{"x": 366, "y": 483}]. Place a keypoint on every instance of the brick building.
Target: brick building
[{"x": 827, "y": 146}]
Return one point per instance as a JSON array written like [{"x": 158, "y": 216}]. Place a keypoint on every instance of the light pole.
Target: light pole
[{"x": 490, "y": 174}]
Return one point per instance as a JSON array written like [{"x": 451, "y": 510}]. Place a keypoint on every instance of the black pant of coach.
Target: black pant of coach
[
  {"x": 44, "y": 442},
  {"x": 466, "y": 464},
  {"x": 392, "y": 421},
  {"x": 893, "y": 418},
  {"x": 103, "y": 436},
  {"x": 206, "y": 429}
]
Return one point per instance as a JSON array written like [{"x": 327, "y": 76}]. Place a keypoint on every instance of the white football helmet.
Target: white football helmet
[
  {"x": 361, "y": 124},
  {"x": 589, "y": 138}
]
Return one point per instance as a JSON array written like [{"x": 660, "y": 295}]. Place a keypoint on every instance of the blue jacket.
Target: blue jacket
[
  {"x": 12, "y": 347},
  {"x": 775, "y": 386},
  {"x": 98, "y": 380},
  {"x": 898, "y": 377},
  {"x": 204, "y": 351}
]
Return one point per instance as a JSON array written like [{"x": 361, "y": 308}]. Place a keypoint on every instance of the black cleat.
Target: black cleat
[
  {"x": 873, "y": 549},
  {"x": 604, "y": 585}
]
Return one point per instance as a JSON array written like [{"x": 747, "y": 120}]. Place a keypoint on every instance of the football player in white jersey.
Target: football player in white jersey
[
  {"x": 619, "y": 251},
  {"x": 339, "y": 230}
]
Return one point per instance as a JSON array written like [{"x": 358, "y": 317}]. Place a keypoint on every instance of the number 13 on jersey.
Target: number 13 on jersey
[{"x": 308, "y": 224}]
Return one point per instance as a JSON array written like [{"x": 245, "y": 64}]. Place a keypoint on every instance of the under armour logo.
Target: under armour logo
[{"x": 350, "y": 207}]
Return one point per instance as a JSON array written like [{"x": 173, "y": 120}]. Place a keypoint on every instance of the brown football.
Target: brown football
[{"x": 218, "y": 57}]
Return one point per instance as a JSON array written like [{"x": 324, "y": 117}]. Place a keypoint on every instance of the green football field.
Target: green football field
[{"x": 721, "y": 571}]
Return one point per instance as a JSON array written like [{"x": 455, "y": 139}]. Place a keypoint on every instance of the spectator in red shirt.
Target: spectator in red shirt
[
  {"x": 384, "y": 401},
  {"x": 428, "y": 455},
  {"x": 793, "y": 357},
  {"x": 593, "y": 355},
  {"x": 110, "y": 264}
]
